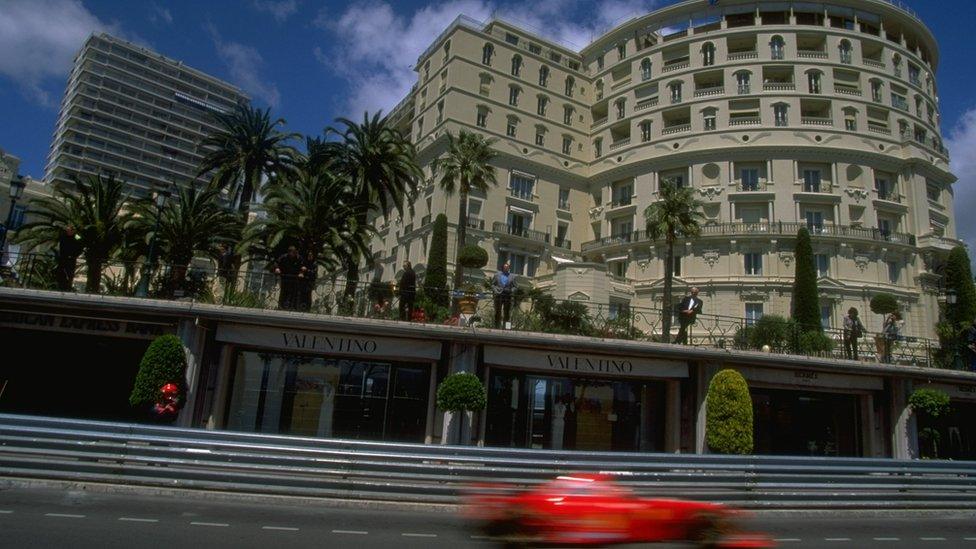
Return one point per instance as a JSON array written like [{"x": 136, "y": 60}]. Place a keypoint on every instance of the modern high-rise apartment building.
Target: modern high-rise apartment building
[
  {"x": 134, "y": 113},
  {"x": 779, "y": 115}
]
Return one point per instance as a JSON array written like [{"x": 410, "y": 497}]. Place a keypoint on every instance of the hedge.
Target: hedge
[
  {"x": 728, "y": 414},
  {"x": 164, "y": 362}
]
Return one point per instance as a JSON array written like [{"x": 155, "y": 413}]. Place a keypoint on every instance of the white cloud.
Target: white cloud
[
  {"x": 280, "y": 10},
  {"x": 160, "y": 15},
  {"x": 375, "y": 48},
  {"x": 39, "y": 39},
  {"x": 243, "y": 63},
  {"x": 962, "y": 150}
]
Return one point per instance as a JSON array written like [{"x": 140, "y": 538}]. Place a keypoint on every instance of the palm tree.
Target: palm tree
[
  {"x": 378, "y": 163},
  {"x": 98, "y": 213},
  {"x": 191, "y": 224},
  {"x": 467, "y": 167},
  {"x": 676, "y": 214},
  {"x": 247, "y": 147}
]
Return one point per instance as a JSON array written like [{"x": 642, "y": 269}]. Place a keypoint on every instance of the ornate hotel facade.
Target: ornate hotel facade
[{"x": 779, "y": 115}]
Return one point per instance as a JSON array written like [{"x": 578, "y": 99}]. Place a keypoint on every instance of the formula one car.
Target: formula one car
[{"x": 590, "y": 509}]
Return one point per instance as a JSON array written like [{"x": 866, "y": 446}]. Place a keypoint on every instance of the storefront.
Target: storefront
[
  {"x": 804, "y": 413},
  {"x": 957, "y": 430},
  {"x": 567, "y": 401},
  {"x": 327, "y": 384},
  {"x": 73, "y": 366}
]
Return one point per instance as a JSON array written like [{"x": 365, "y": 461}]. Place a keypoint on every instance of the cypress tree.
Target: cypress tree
[
  {"x": 435, "y": 281},
  {"x": 959, "y": 279},
  {"x": 806, "y": 299}
]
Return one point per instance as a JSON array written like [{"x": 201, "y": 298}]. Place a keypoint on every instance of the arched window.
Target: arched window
[
  {"x": 598, "y": 147},
  {"x": 486, "y": 79},
  {"x": 621, "y": 106},
  {"x": 447, "y": 50},
  {"x": 645, "y": 129},
  {"x": 542, "y": 105},
  {"x": 599, "y": 89},
  {"x": 744, "y": 80},
  {"x": 482, "y": 119},
  {"x": 850, "y": 119},
  {"x": 708, "y": 54},
  {"x": 709, "y": 116},
  {"x": 646, "y": 69},
  {"x": 877, "y": 87},
  {"x": 516, "y": 65},
  {"x": 675, "y": 88},
  {"x": 814, "y": 81},
  {"x": 486, "y": 54},
  {"x": 781, "y": 114},
  {"x": 543, "y": 76},
  {"x": 568, "y": 111},
  {"x": 777, "y": 47},
  {"x": 896, "y": 61},
  {"x": 513, "y": 95},
  {"x": 845, "y": 52},
  {"x": 570, "y": 84}
]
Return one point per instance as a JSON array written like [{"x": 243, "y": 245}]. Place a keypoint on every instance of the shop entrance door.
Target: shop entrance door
[{"x": 361, "y": 400}]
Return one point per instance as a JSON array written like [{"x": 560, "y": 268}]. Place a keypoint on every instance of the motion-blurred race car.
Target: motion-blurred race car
[{"x": 590, "y": 509}]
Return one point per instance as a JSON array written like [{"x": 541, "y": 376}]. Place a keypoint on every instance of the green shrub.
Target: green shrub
[
  {"x": 959, "y": 279},
  {"x": 460, "y": 392},
  {"x": 883, "y": 304},
  {"x": 473, "y": 257},
  {"x": 932, "y": 402},
  {"x": 772, "y": 330},
  {"x": 806, "y": 298},
  {"x": 379, "y": 289},
  {"x": 570, "y": 317},
  {"x": 435, "y": 279},
  {"x": 814, "y": 343},
  {"x": 164, "y": 362},
  {"x": 728, "y": 414},
  {"x": 742, "y": 339}
]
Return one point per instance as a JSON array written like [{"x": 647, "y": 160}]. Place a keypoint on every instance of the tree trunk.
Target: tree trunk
[
  {"x": 93, "y": 268},
  {"x": 666, "y": 307},
  {"x": 462, "y": 233}
]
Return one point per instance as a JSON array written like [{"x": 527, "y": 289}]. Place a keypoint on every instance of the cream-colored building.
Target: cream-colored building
[{"x": 779, "y": 115}]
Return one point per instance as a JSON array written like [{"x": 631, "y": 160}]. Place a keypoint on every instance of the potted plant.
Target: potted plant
[
  {"x": 460, "y": 394},
  {"x": 470, "y": 257},
  {"x": 468, "y": 300}
]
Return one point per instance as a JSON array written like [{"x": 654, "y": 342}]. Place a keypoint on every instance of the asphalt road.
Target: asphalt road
[{"x": 68, "y": 518}]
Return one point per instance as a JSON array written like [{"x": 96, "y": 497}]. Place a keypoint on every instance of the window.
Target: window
[
  {"x": 511, "y": 38},
  {"x": 813, "y": 82},
  {"x": 447, "y": 50},
  {"x": 511, "y": 128},
  {"x": 486, "y": 54},
  {"x": 17, "y": 217},
  {"x": 876, "y": 95},
  {"x": 913, "y": 75},
  {"x": 826, "y": 312},
  {"x": 645, "y": 128},
  {"x": 753, "y": 263},
  {"x": 540, "y": 138},
  {"x": 544, "y": 76},
  {"x": 749, "y": 178},
  {"x": 646, "y": 69},
  {"x": 440, "y": 112},
  {"x": 780, "y": 114},
  {"x": 933, "y": 192},
  {"x": 543, "y": 103},
  {"x": 708, "y": 54},
  {"x": 570, "y": 84},
  {"x": 420, "y": 128},
  {"x": 535, "y": 48},
  {"x": 850, "y": 122},
  {"x": 619, "y": 268},
  {"x": 743, "y": 79},
  {"x": 513, "y": 96},
  {"x": 567, "y": 144},
  {"x": 622, "y": 195},
  {"x": 598, "y": 148},
  {"x": 676, "y": 265},
  {"x": 845, "y": 52},
  {"x": 427, "y": 71},
  {"x": 521, "y": 186},
  {"x": 561, "y": 231},
  {"x": 618, "y": 309},
  {"x": 567, "y": 115},
  {"x": 777, "y": 47},
  {"x": 822, "y": 262},
  {"x": 621, "y": 108},
  {"x": 599, "y": 63},
  {"x": 814, "y": 221},
  {"x": 563, "y": 199},
  {"x": 675, "y": 88},
  {"x": 516, "y": 65},
  {"x": 884, "y": 187},
  {"x": 754, "y": 311},
  {"x": 893, "y": 271},
  {"x": 520, "y": 264},
  {"x": 709, "y": 119},
  {"x": 884, "y": 227},
  {"x": 621, "y": 51},
  {"x": 811, "y": 181},
  {"x": 482, "y": 119}
]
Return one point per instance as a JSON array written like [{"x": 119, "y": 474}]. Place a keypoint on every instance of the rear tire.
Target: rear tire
[{"x": 709, "y": 530}]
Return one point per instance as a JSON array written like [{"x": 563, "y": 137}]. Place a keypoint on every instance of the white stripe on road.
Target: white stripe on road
[
  {"x": 887, "y": 539},
  {"x": 932, "y": 539},
  {"x": 411, "y": 535},
  {"x": 63, "y": 515},
  {"x": 282, "y": 528},
  {"x": 837, "y": 539},
  {"x": 356, "y": 532},
  {"x": 969, "y": 539},
  {"x": 209, "y": 524},
  {"x": 5, "y": 512},
  {"x": 136, "y": 519}
]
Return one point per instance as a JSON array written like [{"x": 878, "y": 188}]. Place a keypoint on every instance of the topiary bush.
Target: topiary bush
[
  {"x": 435, "y": 279},
  {"x": 806, "y": 298},
  {"x": 883, "y": 304},
  {"x": 460, "y": 392},
  {"x": 728, "y": 414},
  {"x": 164, "y": 362},
  {"x": 959, "y": 279},
  {"x": 772, "y": 330},
  {"x": 929, "y": 405},
  {"x": 473, "y": 257},
  {"x": 814, "y": 343}
]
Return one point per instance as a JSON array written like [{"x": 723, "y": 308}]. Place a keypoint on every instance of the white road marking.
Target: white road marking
[
  {"x": 837, "y": 539},
  {"x": 887, "y": 539},
  {"x": 411, "y": 535},
  {"x": 969, "y": 539},
  {"x": 63, "y": 515},
  {"x": 5, "y": 512},
  {"x": 356, "y": 532},
  {"x": 932, "y": 539},
  {"x": 137, "y": 519},
  {"x": 282, "y": 528},
  {"x": 209, "y": 524}
]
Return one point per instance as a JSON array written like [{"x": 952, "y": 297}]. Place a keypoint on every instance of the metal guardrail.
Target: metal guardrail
[{"x": 91, "y": 451}]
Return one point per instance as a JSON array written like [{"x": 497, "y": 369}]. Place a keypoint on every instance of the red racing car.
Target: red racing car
[{"x": 590, "y": 509}]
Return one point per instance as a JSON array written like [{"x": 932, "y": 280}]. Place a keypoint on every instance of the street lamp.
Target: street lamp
[
  {"x": 16, "y": 191},
  {"x": 951, "y": 297},
  {"x": 159, "y": 198}
]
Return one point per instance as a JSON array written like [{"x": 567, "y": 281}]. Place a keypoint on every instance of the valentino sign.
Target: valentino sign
[
  {"x": 601, "y": 365},
  {"x": 301, "y": 341}
]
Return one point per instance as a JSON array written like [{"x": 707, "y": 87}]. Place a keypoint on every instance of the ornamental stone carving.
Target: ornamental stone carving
[
  {"x": 861, "y": 261},
  {"x": 643, "y": 263},
  {"x": 786, "y": 258},
  {"x": 595, "y": 212},
  {"x": 857, "y": 194},
  {"x": 710, "y": 193},
  {"x": 711, "y": 257}
]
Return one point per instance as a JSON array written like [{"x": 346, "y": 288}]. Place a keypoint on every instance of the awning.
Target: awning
[
  {"x": 621, "y": 258},
  {"x": 561, "y": 260},
  {"x": 521, "y": 210}
]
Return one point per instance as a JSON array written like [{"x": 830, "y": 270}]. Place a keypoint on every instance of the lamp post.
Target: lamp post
[
  {"x": 159, "y": 198},
  {"x": 16, "y": 191}
]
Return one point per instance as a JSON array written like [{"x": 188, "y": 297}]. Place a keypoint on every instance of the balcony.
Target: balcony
[
  {"x": 878, "y": 128},
  {"x": 500, "y": 227},
  {"x": 524, "y": 194},
  {"x": 741, "y": 55},
  {"x": 811, "y": 54},
  {"x": 844, "y": 89},
  {"x": 675, "y": 65},
  {"x": 599, "y": 122},
  {"x": 745, "y": 121},
  {"x": 563, "y": 205},
  {"x": 745, "y": 89},
  {"x": 816, "y": 121},
  {"x": 475, "y": 223},
  {"x": 646, "y": 104},
  {"x": 621, "y": 201},
  {"x": 676, "y": 129},
  {"x": 770, "y": 228},
  {"x": 425, "y": 220},
  {"x": 564, "y": 243},
  {"x": 779, "y": 86},
  {"x": 889, "y": 195},
  {"x": 751, "y": 186},
  {"x": 710, "y": 91},
  {"x": 874, "y": 63},
  {"x": 619, "y": 143}
]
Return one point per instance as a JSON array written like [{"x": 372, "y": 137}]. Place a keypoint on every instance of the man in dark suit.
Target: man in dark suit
[
  {"x": 408, "y": 291},
  {"x": 689, "y": 309}
]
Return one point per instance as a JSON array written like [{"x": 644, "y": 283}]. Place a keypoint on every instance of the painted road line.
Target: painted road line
[
  {"x": 221, "y": 524},
  {"x": 837, "y": 539},
  {"x": 932, "y": 539},
  {"x": 63, "y": 515},
  {"x": 887, "y": 539},
  {"x": 281, "y": 528},
  {"x": 353, "y": 532},
  {"x": 969, "y": 539},
  {"x": 137, "y": 519},
  {"x": 5, "y": 512},
  {"x": 411, "y": 535}
]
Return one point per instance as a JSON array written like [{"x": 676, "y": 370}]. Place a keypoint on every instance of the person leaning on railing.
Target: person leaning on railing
[
  {"x": 408, "y": 291},
  {"x": 853, "y": 331},
  {"x": 889, "y": 331},
  {"x": 288, "y": 266},
  {"x": 688, "y": 310},
  {"x": 503, "y": 286}
]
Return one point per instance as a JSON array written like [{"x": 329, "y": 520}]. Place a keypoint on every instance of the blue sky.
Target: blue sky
[{"x": 312, "y": 61}]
